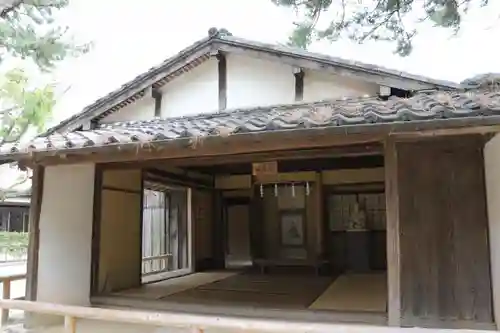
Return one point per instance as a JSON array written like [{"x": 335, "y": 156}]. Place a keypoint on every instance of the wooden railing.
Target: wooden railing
[
  {"x": 200, "y": 323},
  {"x": 191, "y": 322},
  {"x": 6, "y": 283},
  {"x": 155, "y": 264}
]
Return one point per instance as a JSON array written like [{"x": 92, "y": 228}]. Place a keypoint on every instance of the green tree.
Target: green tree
[
  {"x": 29, "y": 32},
  {"x": 24, "y": 106},
  {"x": 362, "y": 20}
]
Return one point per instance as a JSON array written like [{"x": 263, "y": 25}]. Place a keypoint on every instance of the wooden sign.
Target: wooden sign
[{"x": 265, "y": 168}]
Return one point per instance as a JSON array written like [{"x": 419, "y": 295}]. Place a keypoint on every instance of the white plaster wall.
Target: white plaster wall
[
  {"x": 66, "y": 234},
  {"x": 194, "y": 92},
  {"x": 319, "y": 86},
  {"x": 256, "y": 82},
  {"x": 250, "y": 82},
  {"x": 492, "y": 173},
  {"x": 142, "y": 109}
]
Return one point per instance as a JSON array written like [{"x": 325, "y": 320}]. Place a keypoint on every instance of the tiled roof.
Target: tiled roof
[
  {"x": 218, "y": 39},
  {"x": 339, "y": 113}
]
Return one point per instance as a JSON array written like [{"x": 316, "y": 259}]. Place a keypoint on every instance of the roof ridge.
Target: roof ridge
[{"x": 340, "y": 60}]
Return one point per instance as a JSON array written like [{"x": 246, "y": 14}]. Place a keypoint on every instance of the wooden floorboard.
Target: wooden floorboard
[
  {"x": 249, "y": 294},
  {"x": 159, "y": 290}
]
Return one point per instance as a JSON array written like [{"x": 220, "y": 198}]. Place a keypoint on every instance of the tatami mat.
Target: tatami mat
[
  {"x": 169, "y": 287},
  {"x": 258, "y": 290},
  {"x": 354, "y": 292}
]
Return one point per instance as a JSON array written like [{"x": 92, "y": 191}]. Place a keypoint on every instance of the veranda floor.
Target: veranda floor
[{"x": 298, "y": 295}]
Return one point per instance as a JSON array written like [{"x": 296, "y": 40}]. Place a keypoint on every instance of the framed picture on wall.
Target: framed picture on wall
[{"x": 292, "y": 228}]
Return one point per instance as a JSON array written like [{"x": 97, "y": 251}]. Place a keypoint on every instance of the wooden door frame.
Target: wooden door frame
[{"x": 190, "y": 230}]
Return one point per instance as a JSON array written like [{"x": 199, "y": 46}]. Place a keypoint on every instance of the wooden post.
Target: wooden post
[
  {"x": 5, "y": 295},
  {"x": 218, "y": 247},
  {"x": 69, "y": 324},
  {"x": 222, "y": 74},
  {"x": 96, "y": 231},
  {"x": 299, "y": 84},
  {"x": 318, "y": 206},
  {"x": 393, "y": 246},
  {"x": 190, "y": 231},
  {"x": 34, "y": 233},
  {"x": 393, "y": 253}
]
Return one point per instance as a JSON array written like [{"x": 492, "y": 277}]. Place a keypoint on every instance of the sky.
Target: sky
[{"x": 131, "y": 36}]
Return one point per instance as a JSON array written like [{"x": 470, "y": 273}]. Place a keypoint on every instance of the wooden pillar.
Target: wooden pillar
[
  {"x": 157, "y": 96},
  {"x": 299, "y": 84},
  {"x": 34, "y": 233},
  {"x": 218, "y": 242},
  {"x": 393, "y": 244},
  {"x": 5, "y": 295},
  {"x": 256, "y": 224},
  {"x": 191, "y": 229},
  {"x": 222, "y": 75},
  {"x": 318, "y": 206},
  {"x": 96, "y": 232},
  {"x": 69, "y": 324}
]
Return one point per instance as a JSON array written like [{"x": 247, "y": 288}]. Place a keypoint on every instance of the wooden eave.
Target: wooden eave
[{"x": 274, "y": 142}]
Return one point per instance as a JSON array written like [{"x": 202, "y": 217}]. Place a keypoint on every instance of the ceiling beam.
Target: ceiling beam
[{"x": 289, "y": 155}]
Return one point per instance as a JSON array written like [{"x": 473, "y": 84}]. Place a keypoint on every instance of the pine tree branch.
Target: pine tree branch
[{"x": 10, "y": 7}]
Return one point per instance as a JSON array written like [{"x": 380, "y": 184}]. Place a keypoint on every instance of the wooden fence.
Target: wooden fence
[
  {"x": 201, "y": 323},
  {"x": 6, "y": 283}
]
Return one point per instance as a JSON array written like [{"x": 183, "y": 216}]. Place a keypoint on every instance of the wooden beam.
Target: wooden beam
[
  {"x": 157, "y": 96},
  {"x": 166, "y": 166},
  {"x": 232, "y": 182},
  {"x": 178, "y": 179},
  {"x": 212, "y": 146},
  {"x": 368, "y": 149},
  {"x": 286, "y": 177},
  {"x": 412, "y": 135},
  {"x": 299, "y": 85},
  {"x": 222, "y": 77},
  {"x": 34, "y": 233},
  {"x": 393, "y": 244},
  {"x": 352, "y": 176},
  {"x": 259, "y": 142}
]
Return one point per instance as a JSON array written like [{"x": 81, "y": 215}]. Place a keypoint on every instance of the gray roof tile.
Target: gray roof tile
[{"x": 338, "y": 113}]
